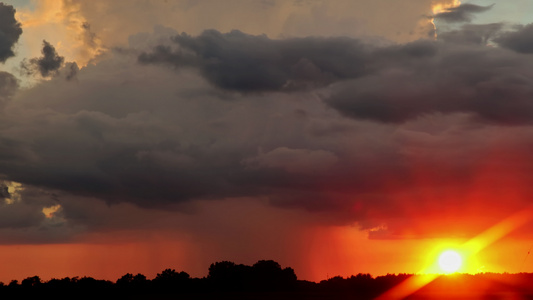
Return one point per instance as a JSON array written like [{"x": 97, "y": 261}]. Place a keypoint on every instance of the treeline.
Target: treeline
[
  {"x": 266, "y": 279},
  {"x": 224, "y": 278}
]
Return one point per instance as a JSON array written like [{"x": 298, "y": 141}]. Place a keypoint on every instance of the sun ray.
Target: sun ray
[{"x": 471, "y": 247}]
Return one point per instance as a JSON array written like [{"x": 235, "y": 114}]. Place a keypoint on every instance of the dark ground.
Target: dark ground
[{"x": 267, "y": 280}]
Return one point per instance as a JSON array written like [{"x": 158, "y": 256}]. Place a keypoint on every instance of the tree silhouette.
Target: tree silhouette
[
  {"x": 227, "y": 275},
  {"x": 139, "y": 279},
  {"x": 169, "y": 279},
  {"x": 170, "y": 275},
  {"x": 221, "y": 270},
  {"x": 265, "y": 275},
  {"x": 125, "y": 280},
  {"x": 265, "y": 279},
  {"x": 129, "y": 284},
  {"x": 269, "y": 276},
  {"x": 13, "y": 283},
  {"x": 31, "y": 282},
  {"x": 64, "y": 283}
]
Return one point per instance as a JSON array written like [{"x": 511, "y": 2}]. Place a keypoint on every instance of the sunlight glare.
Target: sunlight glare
[{"x": 450, "y": 261}]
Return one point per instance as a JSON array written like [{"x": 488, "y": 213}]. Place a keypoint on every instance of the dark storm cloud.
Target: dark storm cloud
[
  {"x": 242, "y": 62},
  {"x": 8, "y": 86},
  {"x": 72, "y": 69},
  {"x": 461, "y": 13},
  {"x": 520, "y": 40},
  {"x": 16, "y": 216},
  {"x": 455, "y": 74},
  {"x": 477, "y": 34},
  {"x": 397, "y": 83},
  {"x": 4, "y": 191},
  {"x": 23, "y": 219},
  {"x": 483, "y": 82},
  {"x": 162, "y": 149},
  {"x": 21, "y": 213},
  {"x": 150, "y": 136},
  {"x": 126, "y": 168},
  {"x": 46, "y": 65},
  {"x": 10, "y": 31}
]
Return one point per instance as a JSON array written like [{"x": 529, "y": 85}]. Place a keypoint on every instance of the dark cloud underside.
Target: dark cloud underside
[
  {"x": 335, "y": 125},
  {"x": 242, "y": 62},
  {"x": 387, "y": 84},
  {"x": 461, "y": 13},
  {"x": 10, "y": 31},
  {"x": 520, "y": 40}
]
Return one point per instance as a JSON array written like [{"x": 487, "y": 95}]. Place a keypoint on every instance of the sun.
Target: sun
[{"x": 450, "y": 261}]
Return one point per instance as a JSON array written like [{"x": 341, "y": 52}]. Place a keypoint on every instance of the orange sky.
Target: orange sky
[{"x": 324, "y": 253}]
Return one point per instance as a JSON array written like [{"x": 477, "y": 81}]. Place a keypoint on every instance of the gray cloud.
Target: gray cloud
[
  {"x": 478, "y": 34},
  {"x": 8, "y": 86},
  {"x": 22, "y": 219},
  {"x": 461, "y": 13},
  {"x": 156, "y": 147},
  {"x": 10, "y": 31},
  {"x": 519, "y": 40},
  {"x": 242, "y": 62},
  {"x": 420, "y": 119},
  {"x": 394, "y": 83},
  {"x": 486, "y": 83},
  {"x": 72, "y": 69},
  {"x": 46, "y": 65}
]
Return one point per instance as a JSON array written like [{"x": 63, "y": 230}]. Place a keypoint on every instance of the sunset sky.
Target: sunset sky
[{"x": 335, "y": 137}]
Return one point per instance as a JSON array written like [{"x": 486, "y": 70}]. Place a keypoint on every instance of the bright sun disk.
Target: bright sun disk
[{"x": 450, "y": 261}]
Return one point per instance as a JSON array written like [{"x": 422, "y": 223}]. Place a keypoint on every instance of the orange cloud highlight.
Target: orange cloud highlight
[
  {"x": 63, "y": 25},
  {"x": 439, "y": 7}
]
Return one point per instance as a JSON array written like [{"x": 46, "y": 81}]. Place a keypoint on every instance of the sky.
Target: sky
[{"x": 334, "y": 137}]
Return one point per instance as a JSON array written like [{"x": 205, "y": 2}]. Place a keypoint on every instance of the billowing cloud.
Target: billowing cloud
[
  {"x": 387, "y": 83},
  {"x": 519, "y": 40},
  {"x": 354, "y": 130},
  {"x": 10, "y": 31},
  {"x": 294, "y": 160},
  {"x": 8, "y": 86},
  {"x": 71, "y": 69},
  {"x": 242, "y": 62},
  {"x": 461, "y": 13},
  {"x": 390, "y": 19},
  {"x": 447, "y": 81},
  {"x": 157, "y": 137},
  {"x": 480, "y": 34},
  {"x": 24, "y": 219},
  {"x": 61, "y": 23},
  {"x": 46, "y": 65}
]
